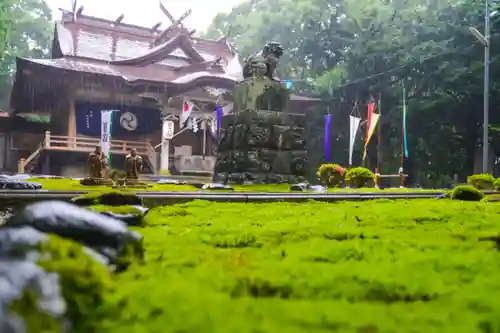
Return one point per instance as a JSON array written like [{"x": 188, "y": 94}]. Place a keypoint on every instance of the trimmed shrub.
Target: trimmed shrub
[
  {"x": 359, "y": 177},
  {"x": 482, "y": 181},
  {"x": 331, "y": 175},
  {"x": 466, "y": 193}
]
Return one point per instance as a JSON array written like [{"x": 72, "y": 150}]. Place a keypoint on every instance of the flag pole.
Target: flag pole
[
  {"x": 401, "y": 169},
  {"x": 379, "y": 140}
]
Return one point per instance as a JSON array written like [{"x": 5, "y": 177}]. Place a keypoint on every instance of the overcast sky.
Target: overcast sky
[{"x": 147, "y": 12}]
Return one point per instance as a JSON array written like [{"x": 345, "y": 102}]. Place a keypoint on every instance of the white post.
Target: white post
[
  {"x": 167, "y": 135},
  {"x": 204, "y": 138}
]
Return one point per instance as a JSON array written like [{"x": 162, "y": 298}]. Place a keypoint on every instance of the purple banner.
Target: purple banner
[
  {"x": 218, "y": 118},
  {"x": 328, "y": 121}
]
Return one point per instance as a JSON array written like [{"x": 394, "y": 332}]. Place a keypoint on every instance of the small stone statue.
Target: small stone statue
[
  {"x": 133, "y": 165},
  {"x": 97, "y": 163}
]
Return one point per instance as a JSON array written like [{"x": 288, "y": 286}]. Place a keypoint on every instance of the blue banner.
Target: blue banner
[
  {"x": 127, "y": 120},
  {"x": 326, "y": 143}
]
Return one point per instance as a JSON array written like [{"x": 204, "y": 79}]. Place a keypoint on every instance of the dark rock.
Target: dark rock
[
  {"x": 6, "y": 184},
  {"x": 172, "y": 182},
  {"x": 299, "y": 187},
  {"x": 132, "y": 219},
  {"x": 22, "y": 279},
  {"x": 108, "y": 236},
  {"x": 20, "y": 243}
]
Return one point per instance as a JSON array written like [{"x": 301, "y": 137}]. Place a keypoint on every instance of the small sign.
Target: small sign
[{"x": 169, "y": 132}]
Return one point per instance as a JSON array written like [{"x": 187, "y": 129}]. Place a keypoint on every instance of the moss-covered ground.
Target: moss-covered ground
[
  {"x": 74, "y": 185},
  {"x": 379, "y": 266}
]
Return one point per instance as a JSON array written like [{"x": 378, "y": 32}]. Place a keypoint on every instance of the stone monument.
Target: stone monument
[
  {"x": 133, "y": 167},
  {"x": 261, "y": 142},
  {"x": 97, "y": 163}
]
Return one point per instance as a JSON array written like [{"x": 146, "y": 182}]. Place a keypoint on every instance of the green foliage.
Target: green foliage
[
  {"x": 5, "y": 26},
  {"x": 359, "y": 177},
  {"x": 330, "y": 175},
  {"x": 481, "y": 181},
  {"x": 380, "y": 266},
  {"x": 86, "y": 284},
  {"x": 467, "y": 193},
  {"x": 30, "y": 35},
  {"x": 165, "y": 172},
  {"x": 496, "y": 184}
]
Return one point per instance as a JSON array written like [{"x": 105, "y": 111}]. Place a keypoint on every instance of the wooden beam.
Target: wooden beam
[
  {"x": 160, "y": 38},
  {"x": 79, "y": 11},
  {"x": 118, "y": 20},
  {"x": 192, "y": 32},
  {"x": 166, "y": 12},
  {"x": 155, "y": 27}
]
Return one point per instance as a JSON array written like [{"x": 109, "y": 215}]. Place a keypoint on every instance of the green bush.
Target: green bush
[
  {"x": 466, "y": 193},
  {"x": 482, "y": 181},
  {"x": 496, "y": 184},
  {"x": 331, "y": 175},
  {"x": 359, "y": 177}
]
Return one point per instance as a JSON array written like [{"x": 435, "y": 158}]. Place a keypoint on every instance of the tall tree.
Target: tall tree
[{"x": 29, "y": 36}]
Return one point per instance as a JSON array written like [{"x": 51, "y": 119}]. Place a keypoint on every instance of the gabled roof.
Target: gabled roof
[{"x": 97, "y": 46}]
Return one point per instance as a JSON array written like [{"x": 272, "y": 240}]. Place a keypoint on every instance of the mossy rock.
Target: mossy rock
[
  {"x": 131, "y": 215},
  {"x": 78, "y": 293},
  {"x": 466, "y": 193},
  {"x": 85, "y": 282},
  {"x": 111, "y": 198}
]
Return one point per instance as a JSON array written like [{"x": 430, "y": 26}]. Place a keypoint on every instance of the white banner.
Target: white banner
[
  {"x": 106, "y": 116},
  {"x": 353, "y": 129}
]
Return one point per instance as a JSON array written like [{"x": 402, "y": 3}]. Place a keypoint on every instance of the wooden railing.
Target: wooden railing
[
  {"x": 24, "y": 162},
  {"x": 86, "y": 144}
]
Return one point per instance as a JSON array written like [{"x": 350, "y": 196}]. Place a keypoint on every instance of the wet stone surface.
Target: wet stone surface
[{"x": 40, "y": 247}]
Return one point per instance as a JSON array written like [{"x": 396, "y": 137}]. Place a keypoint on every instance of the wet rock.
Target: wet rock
[
  {"x": 131, "y": 215},
  {"x": 108, "y": 236},
  {"x": 318, "y": 188},
  {"x": 172, "y": 182},
  {"x": 215, "y": 187},
  {"x": 6, "y": 184},
  {"x": 300, "y": 187}
]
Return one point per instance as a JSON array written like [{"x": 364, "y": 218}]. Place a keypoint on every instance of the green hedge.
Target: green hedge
[
  {"x": 331, "y": 175},
  {"x": 360, "y": 177},
  {"x": 466, "y": 193},
  {"x": 482, "y": 181}
]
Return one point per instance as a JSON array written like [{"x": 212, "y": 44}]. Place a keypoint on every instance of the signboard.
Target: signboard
[{"x": 169, "y": 130}]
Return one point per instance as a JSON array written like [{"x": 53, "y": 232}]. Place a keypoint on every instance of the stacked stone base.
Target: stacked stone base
[{"x": 263, "y": 147}]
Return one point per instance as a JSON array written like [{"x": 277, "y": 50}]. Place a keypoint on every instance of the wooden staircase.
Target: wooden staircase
[{"x": 86, "y": 145}]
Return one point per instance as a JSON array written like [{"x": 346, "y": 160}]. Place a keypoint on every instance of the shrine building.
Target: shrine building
[{"x": 144, "y": 74}]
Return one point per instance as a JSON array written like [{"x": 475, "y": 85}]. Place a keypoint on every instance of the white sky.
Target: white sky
[{"x": 147, "y": 12}]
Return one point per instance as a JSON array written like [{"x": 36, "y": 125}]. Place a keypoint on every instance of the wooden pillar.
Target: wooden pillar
[{"x": 71, "y": 121}]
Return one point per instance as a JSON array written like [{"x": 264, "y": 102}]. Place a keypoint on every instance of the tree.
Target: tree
[
  {"x": 4, "y": 26},
  {"x": 29, "y": 36}
]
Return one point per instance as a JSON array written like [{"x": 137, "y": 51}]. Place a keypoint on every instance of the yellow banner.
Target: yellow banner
[{"x": 371, "y": 129}]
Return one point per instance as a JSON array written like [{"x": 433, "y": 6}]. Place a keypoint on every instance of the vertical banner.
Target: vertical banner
[
  {"x": 328, "y": 121},
  {"x": 106, "y": 116},
  {"x": 370, "y": 127},
  {"x": 187, "y": 109},
  {"x": 218, "y": 119},
  {"x": 405, "y": 144},
  {"x": 353, "y": 129}
]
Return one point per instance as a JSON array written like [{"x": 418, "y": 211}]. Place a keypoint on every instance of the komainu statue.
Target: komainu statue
[
  {"x": 262, "y": 141},
  {"x": 133, "y": 167}
]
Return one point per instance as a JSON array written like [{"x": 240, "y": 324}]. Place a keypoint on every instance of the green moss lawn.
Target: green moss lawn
[
  {"x": 378, "y": 266},
  {"x": 74, "y": 185}
]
